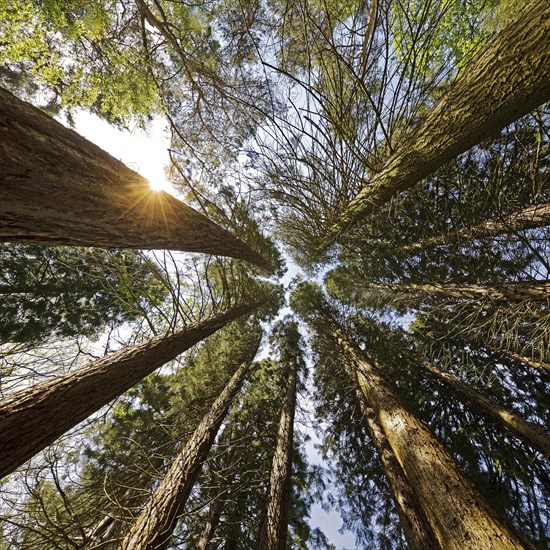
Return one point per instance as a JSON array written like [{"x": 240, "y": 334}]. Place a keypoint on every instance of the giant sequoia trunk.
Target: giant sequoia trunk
[
  {"x": 415, "y": 524},
  {"x": 34, "y": 417},
  {"x": 273, "y": 531},
  {"x": 513, "y": 422},
  {"x": 59, "y": 188},
  {"x": 509, "y": 79},
  {"x": 504, "y": 292},
  {"x": 459, "y": 516},
  {"x": 528, "y": 218},
  {"x": 154, "y": 526}
]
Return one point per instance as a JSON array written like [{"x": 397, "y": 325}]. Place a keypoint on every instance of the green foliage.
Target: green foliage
[
  {"x": 84, "y": 53},
  {"x": 58, "y": 292}
]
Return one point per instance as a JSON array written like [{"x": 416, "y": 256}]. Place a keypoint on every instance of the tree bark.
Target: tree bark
[
  {"x": 59, "y": 188},
  {"x": 534, "y": 363},
  {"x": 212, "y": 522},
  {"x": 509, "y": 79},
  {"x": 532, "y": 434},
  {"x": 504, "y": 292},
  {"x": 154, "y": 526},
  {"x": 34, "y": 417},
  {"x": 528, "y": 218},
  {"x": 274, "y": 528},
  {"x": 459, "y": 516},
  {"x": 416, "y": 527}
]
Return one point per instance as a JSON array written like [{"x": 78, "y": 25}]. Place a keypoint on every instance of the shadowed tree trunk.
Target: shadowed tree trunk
[
  {"x": 154, "y": 526},
  {"x": 509, "y": 79},
  {"x": 59, "y": 188},
  {"x": 529, "y": 218},
  {"x": 414, "y": 522},
  {"x": 530, "y": 361},
  {"x": 504, "y": 292},
  {"x": 513, "y": 422},
  {"x": 274, "y": 528},
  {"x": 459, "y": 516},
  {"x": 211, "y": 524},
  {"x": 34, "y": 417}
]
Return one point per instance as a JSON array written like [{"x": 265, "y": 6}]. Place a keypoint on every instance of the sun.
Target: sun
[{"x": 161, "y": 184}]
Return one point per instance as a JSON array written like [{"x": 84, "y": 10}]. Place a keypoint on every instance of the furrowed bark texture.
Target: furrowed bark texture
[
  {"x": 529, "y": 218},
  {"x": 504, "y": 292},
  {"x": 415, "y": 524},
  {"x": 34, "y": 417},
  {"x": 59, "y": 188},
  {"x": 459, "y": 516},
  {"x": 509, "y": 79},
  {"x": 154, "y": 526},
  {"x": 273, "y": 532},
  {"x": 532, "y": 434}
]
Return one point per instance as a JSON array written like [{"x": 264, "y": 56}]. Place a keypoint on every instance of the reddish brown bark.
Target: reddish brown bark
[
  {"x": 529, "y": 218},
  {"x": 154, "y": 526},
  {"x": 34, "y": 417},
  {"x": 513, "y": 422},
  {"x": 274, "y": 528},
  {"x": 415, "y": 524},
  {"x": 59, "y": 188},
  {"x": 459, "y": 516},
  {"x": 509, "y": 79},
  {"x": 504, "y": 292}
]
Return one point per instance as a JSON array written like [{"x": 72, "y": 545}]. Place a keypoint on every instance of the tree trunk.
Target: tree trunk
[
  {"x": 532, "y": 434},
  {"x": 59, "y": 188},
  {"x": 212, "y": 522},
  {"x": 504, "y": 292},
  {"x": 509, "y": 79},
  {"x": 34, "y": 417},
  {"x": 529, "y": 218},
  {"x": 534, "y": 363},
  {"x": 415, "y": 524},
  {"x": 274, "y": 528},
  {"x": 459, "y": 516},
  {"x": 154, "y": 526}
]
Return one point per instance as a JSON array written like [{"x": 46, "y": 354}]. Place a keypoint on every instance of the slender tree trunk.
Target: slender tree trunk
[
  {"x": 212, "y": 522},
  {"x": 459, "y": 516},
  {"x": 534, "y": 363},
  {"x": 273, "y": 532},
  {"x": 154, "y": 526},
  {"x": 504, "y": 292},
  {"x": 415, "y": 524},
  {"x": 235, "y": 515},
  {"x": 528, "y": 218},
  {"x": 509, "y": 79},
  {"x": 59, "y": 188},
  {"x": 513, "y": 422},
  {"x": 34, "y": 417}
]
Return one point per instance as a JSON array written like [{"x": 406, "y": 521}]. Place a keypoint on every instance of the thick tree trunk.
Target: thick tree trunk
[
  {"x": 34, "y": 417},
  {"x": 504, "y": 292},
  {"x": 59, "y": 188},
  {"x": 513, "y": 422},
  {"x": 529, "y": 218},
  {"x": 154, "y": 526},
  {"x": 273, "y": 532},
  {"x": 459, "y": 516},
  {"x": 509, "y": 79},
  {"x": 415, "y": 524}
]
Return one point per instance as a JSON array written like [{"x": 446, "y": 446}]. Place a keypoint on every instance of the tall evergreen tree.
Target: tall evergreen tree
[{"x": 34, "y": 417}]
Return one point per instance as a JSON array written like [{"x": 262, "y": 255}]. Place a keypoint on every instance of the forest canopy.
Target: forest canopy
[{"x": 345, "y": 303}]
